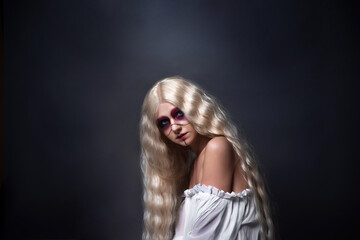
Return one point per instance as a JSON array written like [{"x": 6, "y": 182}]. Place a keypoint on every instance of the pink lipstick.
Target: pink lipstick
[{"x": 181, "y": 136}]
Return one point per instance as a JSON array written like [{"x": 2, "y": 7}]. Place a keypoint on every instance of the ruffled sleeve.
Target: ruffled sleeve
[{"x": 215, "y": 214}]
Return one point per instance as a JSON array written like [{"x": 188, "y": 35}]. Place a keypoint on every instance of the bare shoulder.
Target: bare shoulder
[
  {"x": 218, "y": 165},
  {"x": 219, "y": 145}
]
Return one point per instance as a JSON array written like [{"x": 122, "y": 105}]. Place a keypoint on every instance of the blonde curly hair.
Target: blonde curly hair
[{"x": 165, "y": 164}]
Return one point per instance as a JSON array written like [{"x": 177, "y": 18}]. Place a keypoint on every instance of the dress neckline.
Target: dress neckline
[{"x": 198, "y": 188}]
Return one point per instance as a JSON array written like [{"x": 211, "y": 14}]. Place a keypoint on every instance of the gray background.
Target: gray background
[{"x": 76, "y": 73}]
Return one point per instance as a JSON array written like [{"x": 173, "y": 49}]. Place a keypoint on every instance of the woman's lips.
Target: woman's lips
[{"x": 181, "y": 136}]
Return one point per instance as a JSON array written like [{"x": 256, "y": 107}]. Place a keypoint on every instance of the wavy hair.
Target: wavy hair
[{"x": 165, "y": 164}]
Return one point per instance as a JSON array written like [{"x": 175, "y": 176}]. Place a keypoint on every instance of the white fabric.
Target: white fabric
[{"x": 210, "y": 213}]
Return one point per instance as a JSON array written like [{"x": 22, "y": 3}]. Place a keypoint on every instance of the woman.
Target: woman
[{"x": 189, "y": 143}]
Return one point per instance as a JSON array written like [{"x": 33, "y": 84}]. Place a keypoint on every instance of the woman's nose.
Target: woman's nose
[{"x": 176, "y": 127}]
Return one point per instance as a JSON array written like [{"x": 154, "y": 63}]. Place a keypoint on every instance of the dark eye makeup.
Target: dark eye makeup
[
  {"x": 164, "y": 122},
  {"x": 177, "y": 114}
]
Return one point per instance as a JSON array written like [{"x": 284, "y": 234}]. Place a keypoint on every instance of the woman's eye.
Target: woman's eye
[
  {"x": 179, "y": 115},
  {"x": 163, "y": 123}
]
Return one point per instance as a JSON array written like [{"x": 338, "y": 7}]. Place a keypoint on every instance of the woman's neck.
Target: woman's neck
[{"x": 199, "y": 144}]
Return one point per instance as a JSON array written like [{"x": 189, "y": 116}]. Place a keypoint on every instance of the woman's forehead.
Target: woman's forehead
[{"x": 165, "y": 109}]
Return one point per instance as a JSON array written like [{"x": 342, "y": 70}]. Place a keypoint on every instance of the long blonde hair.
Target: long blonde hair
[{"x": 165, "y": 166}]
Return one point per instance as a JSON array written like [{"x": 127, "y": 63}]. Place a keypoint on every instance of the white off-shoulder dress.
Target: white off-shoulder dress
[{"x": 210, "y": 213}]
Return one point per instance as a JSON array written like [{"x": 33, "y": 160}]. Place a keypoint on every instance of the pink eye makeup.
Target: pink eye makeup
[
  {"x": 177, "y": 114},
  {"x": 164, "y": 122}
]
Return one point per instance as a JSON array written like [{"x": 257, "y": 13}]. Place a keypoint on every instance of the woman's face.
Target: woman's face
[{"x": 173, "y": 123}]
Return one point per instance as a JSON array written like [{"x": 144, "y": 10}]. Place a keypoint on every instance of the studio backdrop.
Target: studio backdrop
[{"x": 76, "y": 73}]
